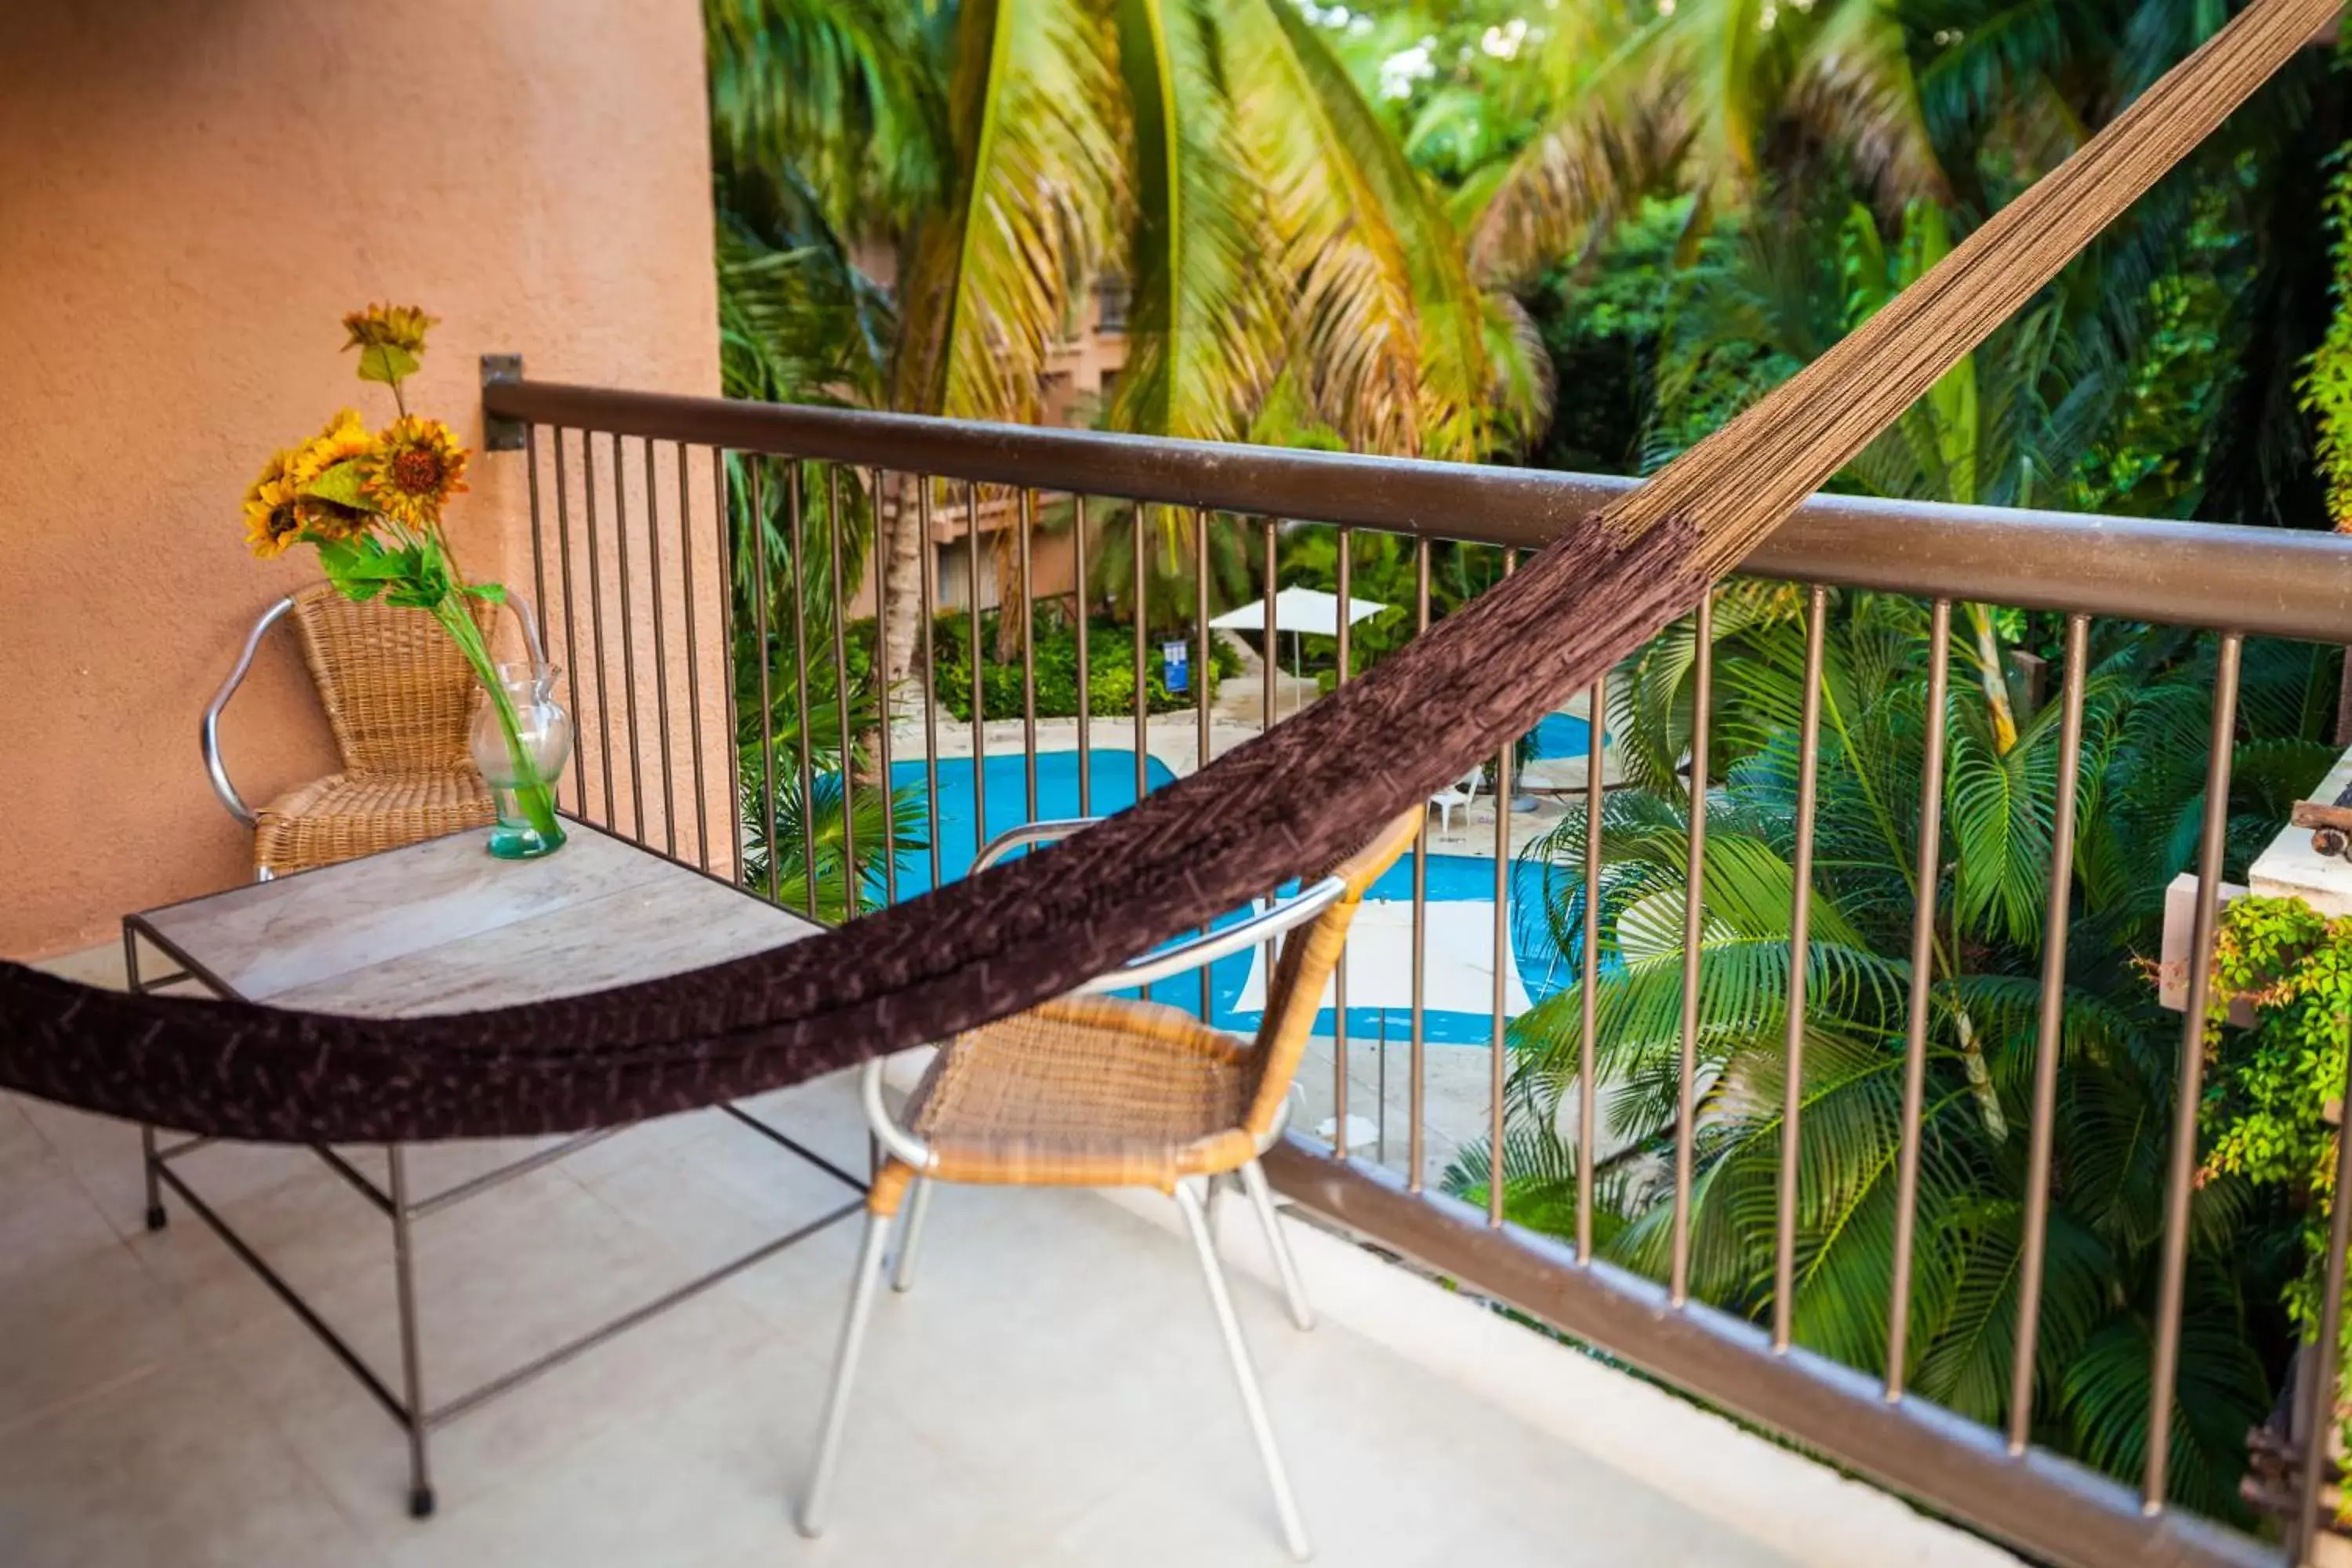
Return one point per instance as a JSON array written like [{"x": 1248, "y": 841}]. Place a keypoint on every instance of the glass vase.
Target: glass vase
[{"x": 520, "y": 739}]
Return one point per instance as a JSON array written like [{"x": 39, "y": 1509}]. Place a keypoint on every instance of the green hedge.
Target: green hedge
[{"x": 1110, "y": 673}]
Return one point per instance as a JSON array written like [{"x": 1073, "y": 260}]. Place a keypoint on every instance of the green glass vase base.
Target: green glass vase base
[
  {"x": 520, "y": 840},
  {"x": 526, "y": 826}
]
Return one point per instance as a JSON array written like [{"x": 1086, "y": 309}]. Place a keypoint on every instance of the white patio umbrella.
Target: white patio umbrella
[
  {"x": 1298, "y": 609},
  {"x": 1300, "y": 612}
]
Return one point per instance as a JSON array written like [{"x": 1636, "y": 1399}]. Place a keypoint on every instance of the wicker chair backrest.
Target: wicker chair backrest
[{"x": 397, "y": 692}]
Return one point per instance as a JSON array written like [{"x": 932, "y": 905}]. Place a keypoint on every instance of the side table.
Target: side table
[{"x": 442, "y": 927}]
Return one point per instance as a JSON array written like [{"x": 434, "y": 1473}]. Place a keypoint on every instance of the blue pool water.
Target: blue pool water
[
  {"x": 1562, "y": 735},
  {"x": 1111, "y": 778}
]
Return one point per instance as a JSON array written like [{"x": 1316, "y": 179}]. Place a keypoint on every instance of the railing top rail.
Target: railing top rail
[{"x": 2272, "y": 581}]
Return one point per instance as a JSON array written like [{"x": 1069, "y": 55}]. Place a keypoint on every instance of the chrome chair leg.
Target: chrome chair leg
[
  {"x": 1293, "y": 1530},
  {"x": 919, "y": 1204},
  {"x": 1293, "y": 1288},
  {"x": 844, "y": 1370}
]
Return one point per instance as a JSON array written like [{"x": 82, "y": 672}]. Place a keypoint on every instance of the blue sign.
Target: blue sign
[{"x": 1176, "y": 666}]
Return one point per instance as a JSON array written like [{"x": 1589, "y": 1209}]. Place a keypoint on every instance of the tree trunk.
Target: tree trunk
[
  {"x": 1012, "y": 586},
  {"x": 1989, "y": 676},
  {"x": 901, "y": 520}
]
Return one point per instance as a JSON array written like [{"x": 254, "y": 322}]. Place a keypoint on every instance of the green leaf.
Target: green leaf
[
  {"x": 386, "y": 362},
  {"x": 489, "y": 593},
  {"x": 389, "y": 566},
  {"x": 340, "y": 484}
]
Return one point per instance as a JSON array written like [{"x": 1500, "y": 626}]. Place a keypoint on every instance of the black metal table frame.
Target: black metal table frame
[{"x": 393, "y": 1202}]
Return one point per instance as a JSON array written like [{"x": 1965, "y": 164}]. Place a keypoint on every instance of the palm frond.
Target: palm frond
[{"x": 1037, "y": 125}]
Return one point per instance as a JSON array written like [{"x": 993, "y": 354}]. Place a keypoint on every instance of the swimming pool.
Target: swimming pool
[
  {"x": 1563, "y": 735},
  {"x": 1111, "y": 779}
]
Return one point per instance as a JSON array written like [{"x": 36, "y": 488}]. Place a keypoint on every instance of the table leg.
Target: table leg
[
  {"x": 411, "y": 1370},
  {"x": 156, "y": 1217}
]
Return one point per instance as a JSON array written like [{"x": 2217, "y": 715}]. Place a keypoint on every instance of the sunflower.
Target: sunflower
[
  {"x": 344, "y": 439},
  {"x": 273, "y": 518},
  {"x": 401, "y": 327},
  {"x": 417, "y": 466},
  {"x": 324, "y": 475}
]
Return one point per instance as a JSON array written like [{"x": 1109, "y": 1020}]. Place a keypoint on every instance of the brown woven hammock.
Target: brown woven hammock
[{"x": 1295, "y": 798}]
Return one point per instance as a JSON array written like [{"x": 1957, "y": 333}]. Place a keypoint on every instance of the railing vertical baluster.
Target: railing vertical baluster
[
  {"x": 539, "y": 605},
  {"x": 2046, "y": 1048},
  {"x": 1340, "y": 969},
  {"x": 727, "y": 667},
  {"x": 1025, "y": 520},
  {"x": 762, "y": 591},
  {"x": 628, "y": 643},
  {"x": 2189, "y": 1094},
  {"x": 1792, "y": 1087},
  {"x": 1596, "y": 785},
  {"x": 877, "y": 549},
  {"x": 1694, "y": 917},
  {"x": 1270, "y": 667},
  {"x": 1200, "y": 687},
  {"x": 2319, "y": 1420},
  {"x": 978, "y": 668},
  {"x": 1142, "y": 687},
  {"x": 1498, "y": 1066},
  {"x": 1142, "y": 518},
  {"x": 930, "y": 606},
  {"x": 853, "y": 885},
  {"x": 661, "y": 654},
  {"x": 1923, "y": 984},
  {"x": 1082, "y": 601},
  {"x": 570, "y": 622},
  {"x": 796, "y": 541},
  {"x": 693, "y": 665},
  {"x": 1416, "y": 1153},
  {"x": 596, "y": 621}
]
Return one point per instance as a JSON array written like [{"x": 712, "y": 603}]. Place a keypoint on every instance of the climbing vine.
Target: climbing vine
[
  {"x": 2326, "y": 389},
  {"x": 2268, "y": 1111}
]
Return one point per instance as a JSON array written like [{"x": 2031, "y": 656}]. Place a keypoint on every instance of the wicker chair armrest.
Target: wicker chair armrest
[
  {"x": 896, "y": 1141},
  {"x": 1203, "y": 950},
  {"x": 1027, "y": 833},
  {"x": 208, "y": 730}
]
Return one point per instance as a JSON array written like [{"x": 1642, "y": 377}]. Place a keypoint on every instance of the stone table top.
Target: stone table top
[{"x": 444, "y": 927}]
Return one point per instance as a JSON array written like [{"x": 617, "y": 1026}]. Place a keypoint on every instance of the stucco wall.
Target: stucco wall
[{"x": 191, "y": 194}]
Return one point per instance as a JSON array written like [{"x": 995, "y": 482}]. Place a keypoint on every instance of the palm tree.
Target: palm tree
[
  {"x": 1704, "y": 96},
  {"x": 1215, "y": 154},
  {"x": 2146, "y": 705}
]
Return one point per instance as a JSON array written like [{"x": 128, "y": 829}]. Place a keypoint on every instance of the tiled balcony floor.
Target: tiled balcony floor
[{"x": 1052, "y": 1392}]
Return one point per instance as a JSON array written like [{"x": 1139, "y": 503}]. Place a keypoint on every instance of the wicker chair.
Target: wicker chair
[
  {"x": 1095, "y": 1090},
  {"x": 400, "y": 698}
]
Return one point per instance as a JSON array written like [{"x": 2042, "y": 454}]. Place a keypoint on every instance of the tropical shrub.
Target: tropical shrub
[
  {"x": 2146, "y": 706},
  {"x": 1111, "y": 670}
]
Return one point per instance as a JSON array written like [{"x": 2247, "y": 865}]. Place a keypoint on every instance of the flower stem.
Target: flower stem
[{"x": 534, "y": 796}]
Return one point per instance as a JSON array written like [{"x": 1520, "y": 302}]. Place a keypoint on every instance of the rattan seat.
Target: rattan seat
[
  {"x": 1089, "y": 1091},
  {"x": 346, "y": 815}
]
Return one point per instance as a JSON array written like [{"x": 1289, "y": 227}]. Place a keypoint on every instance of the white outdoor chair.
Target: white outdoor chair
[{"x": 1460, "y": 793}]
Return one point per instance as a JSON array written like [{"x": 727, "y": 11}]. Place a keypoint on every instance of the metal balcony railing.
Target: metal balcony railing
[{"x": 624, "y": 483}]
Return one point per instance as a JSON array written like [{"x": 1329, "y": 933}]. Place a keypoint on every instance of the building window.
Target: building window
[{"x": 1111, "y": 304}]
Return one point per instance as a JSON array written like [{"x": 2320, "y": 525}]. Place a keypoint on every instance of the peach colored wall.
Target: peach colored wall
[{"x": 190, "y": 194}]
